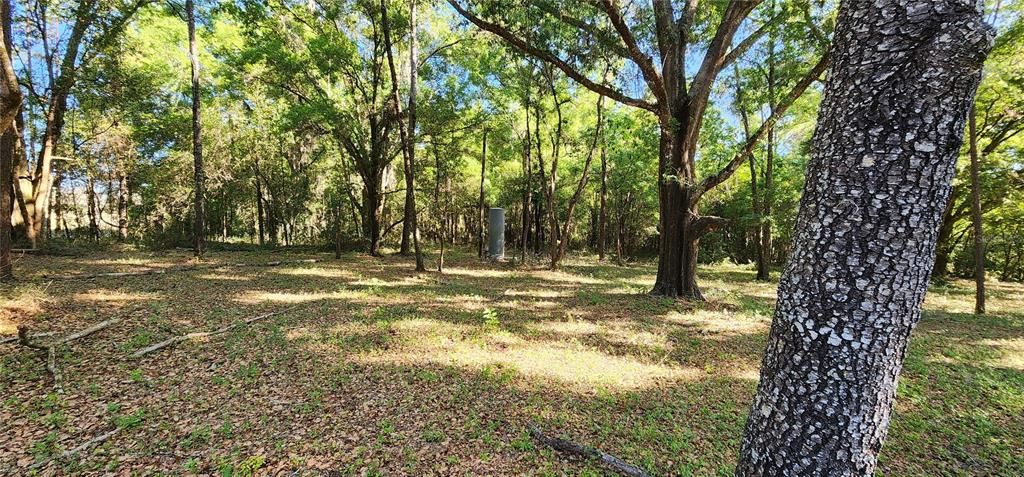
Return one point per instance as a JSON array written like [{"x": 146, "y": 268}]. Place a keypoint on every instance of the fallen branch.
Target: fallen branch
[
  {"x": 86, "y": 332},
  {"x": 17, "y": 338},
  {"x": 68, "y": 453},
  {"x": 51, "y": 349},
  {"x": 204, "y": 334},
  {"x": 587, "y": 452}
]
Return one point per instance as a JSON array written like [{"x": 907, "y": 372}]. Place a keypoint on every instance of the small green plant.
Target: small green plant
[
  {"x": 130, "y": 421},
  {"x": 249, "y": 466},
  {"x": 433, "y": 435},
  {"x": 490, "y": 317},
  {"x": 45, "y": 447}
]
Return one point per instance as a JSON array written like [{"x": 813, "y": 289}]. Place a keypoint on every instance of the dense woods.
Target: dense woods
[{"x": 852, "y": 152}]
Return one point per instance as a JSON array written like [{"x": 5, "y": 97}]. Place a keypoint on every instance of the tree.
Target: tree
[
  {"x": 10, "y": 104},
  {"x": 198, "y": 199},
  {"x": 407, "y": 135},
  {"x": 976, "y": 226},
  {"x": 678, "y": 104},
  {"x": 889, "y": 131},
  {"x": 93, "y": 25}
]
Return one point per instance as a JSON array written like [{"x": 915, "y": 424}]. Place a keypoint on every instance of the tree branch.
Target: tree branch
[
  {"x": 550, "y": 58},
  {"x": 642, "y": 60},
  {"x": 777, "y": 112}
]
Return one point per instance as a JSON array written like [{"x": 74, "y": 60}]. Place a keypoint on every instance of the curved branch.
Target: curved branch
[
  {"x": 550, "y": 58},
  {"x": 642, "y": 60},
  {"x": 777, "y": 112}
]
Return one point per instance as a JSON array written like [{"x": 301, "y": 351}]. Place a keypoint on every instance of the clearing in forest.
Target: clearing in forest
[{"x": 362, "y": 367}]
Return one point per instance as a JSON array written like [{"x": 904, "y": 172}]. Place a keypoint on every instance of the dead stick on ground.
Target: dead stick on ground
[
  {"x": 579, "y": 450},
  {"x": 190, "y": 336},
  {"x": 51, "y": 350},
  {"x": 12, "y": 339},
  {"x": 68, "y": 453}
]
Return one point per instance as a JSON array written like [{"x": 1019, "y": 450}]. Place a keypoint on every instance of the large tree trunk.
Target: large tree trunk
[
  {"x": 10, "y": 104},
  {"x": 979, "y": 236},
  {"x": 885, "y": 149},
  {"x": 199, "y": 202}
]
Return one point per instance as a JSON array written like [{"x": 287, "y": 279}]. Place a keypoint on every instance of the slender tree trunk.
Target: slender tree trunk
[
  {"x": 338, "y": 213},
  {"x": 259, "y": 211},
  {"x": 90, "y": 196},
  {"x": 199, "y": 200},
  {"x": 944, "y": 246},
  {"x": 889, "y": 131},
  {"x": 122, "y": 204},
  {"x": 602, "y": 228},
  {"x": 409, "y": 179},
  {"x": 765, "y": 235},
  {"x": 527, "y": 182},
  {"x": 979, "y": 237},
  {"x": 480, "y": 202},
  {"x": 408, "y": 137}
]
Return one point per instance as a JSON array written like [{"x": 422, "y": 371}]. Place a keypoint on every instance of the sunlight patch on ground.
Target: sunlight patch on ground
[
  {"x": 477, "y": 273},
  {"x": 101, "y": 295},
  {"x": 559, "y": 276},
  {"x": 256, "y": 297},
  {"x": 18, "y": 309},
  {"x": 378, "y": 283},
  {"x": 614, "y": 333},
  {"x": 721, "y": 323},
  {"x": 745, "y": 373},
  {"x": 318, "y": 272},
  {"x": 1012, "y": 352},
  {"x": 537, "y": 293},
  {"x": 225, "y": 277},
  {"x": 431, "y": 342}
]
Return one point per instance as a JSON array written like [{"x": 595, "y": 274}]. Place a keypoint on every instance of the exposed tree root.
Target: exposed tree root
[
  {"x": 587, "y": 452},
  {"x": 71, "y": 452},
  {"x": 204, "y": 334},
  {"x": 161, "y": 271},
  {"x": 51, "y": 349}
]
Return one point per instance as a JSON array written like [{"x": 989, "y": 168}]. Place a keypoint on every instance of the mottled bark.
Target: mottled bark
[
  {"x": 889, "y": 130},
  {"x": 199, "y": 192}
]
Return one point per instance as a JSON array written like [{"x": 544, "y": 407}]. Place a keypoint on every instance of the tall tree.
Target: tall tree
[
  {"x": 199, "y": 188},
  {"x": 889, "y": 132},
  {"x": 10, "y": 104},
  {"x": 407, "y": 135},
  {"x": 93, "y": 25},
  {"x": 480, "y": 202},
  {"x": 976, "y": 226},
  {"x": 678, "y": 102}
]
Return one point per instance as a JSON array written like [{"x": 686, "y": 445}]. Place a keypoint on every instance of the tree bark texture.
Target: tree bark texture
[
  {"x": 10, "y": 104},
  {"x": 889, "y": 131}
]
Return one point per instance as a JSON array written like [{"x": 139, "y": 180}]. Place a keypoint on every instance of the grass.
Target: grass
[{"x": 383, "y": 371}]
